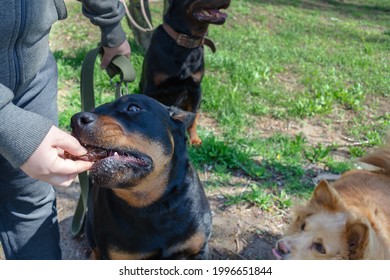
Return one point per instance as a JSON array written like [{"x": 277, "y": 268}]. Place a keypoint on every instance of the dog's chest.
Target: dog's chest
[{"x": 188, "y": 65}]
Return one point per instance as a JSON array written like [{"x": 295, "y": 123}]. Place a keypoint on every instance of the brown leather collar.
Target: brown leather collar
[{"x": 188, "y": 41}]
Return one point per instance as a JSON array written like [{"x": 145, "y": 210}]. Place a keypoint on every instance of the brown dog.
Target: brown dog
[
  {"x": 349, "y": 219},
  {"x": 174, "y": 63}
]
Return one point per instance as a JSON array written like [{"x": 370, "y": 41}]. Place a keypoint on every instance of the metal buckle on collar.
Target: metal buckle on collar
[{"x": 187, "y": 42}]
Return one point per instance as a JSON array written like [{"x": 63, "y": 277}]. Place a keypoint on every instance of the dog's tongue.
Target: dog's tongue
[
  {"x": 211, "y": 14},
  {"x": 217, "y": 13}
]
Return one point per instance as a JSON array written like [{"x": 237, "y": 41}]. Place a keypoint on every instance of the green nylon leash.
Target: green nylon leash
[{"x": 120, "y": 65}]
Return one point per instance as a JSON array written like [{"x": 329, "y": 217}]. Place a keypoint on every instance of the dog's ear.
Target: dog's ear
[
  {"x": 168, "y": 5},
  {"x": 379, "y": 158},
  {"x": 183, "y": 116},
  {"x": 357, "y": 238},
  {"x": 326, "y": 196}
]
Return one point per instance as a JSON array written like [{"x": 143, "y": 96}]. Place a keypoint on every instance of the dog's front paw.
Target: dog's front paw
[{"x": 195, "y": 141}]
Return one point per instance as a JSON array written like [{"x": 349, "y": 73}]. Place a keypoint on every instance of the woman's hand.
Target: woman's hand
[{"x": 48, "y": 164}]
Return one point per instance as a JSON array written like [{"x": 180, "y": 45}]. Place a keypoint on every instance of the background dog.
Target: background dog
[
  {"x": 173, "y": 66},
  {"x": 349, "y": 219},
  {"x": 146, "y": 200}
]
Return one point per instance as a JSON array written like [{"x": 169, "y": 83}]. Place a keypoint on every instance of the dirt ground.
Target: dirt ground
[{"x": 239, "y": 232}]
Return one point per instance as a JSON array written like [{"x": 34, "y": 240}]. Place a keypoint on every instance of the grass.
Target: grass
[{"x": 296, "y": 88}]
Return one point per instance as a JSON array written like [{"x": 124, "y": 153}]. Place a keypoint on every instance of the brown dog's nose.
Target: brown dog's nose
[
  {"x": 283, "y": 248},
  {"x": 82, "y": 119}
]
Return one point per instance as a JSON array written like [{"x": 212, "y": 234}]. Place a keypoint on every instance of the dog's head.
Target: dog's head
[
  {"x": 324, "y": 229},
  {"x": 131, "y": 140},
  {"x": 195, "y": 15}
]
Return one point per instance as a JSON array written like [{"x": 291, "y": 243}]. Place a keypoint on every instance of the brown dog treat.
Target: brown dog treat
[
  {"x": 93, "y": 155},
  {"x": 67, "y": 155}
]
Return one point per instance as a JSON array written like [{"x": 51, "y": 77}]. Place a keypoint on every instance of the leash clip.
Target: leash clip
[{"x": 121, "y": 88}]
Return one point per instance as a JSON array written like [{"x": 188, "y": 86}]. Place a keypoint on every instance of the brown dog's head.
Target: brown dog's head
[
  {"x": 325, "y": 229},
  {"x": 192, "y": 17},
  {"x": 131, "y": 140}
]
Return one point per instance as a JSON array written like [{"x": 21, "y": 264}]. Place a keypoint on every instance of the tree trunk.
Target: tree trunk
[{"x": 142, "y": 37}]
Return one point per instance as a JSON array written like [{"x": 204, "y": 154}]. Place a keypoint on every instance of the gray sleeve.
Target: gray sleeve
[
  {"x": 107, "y": 14},
  {"x": 21, "y": 131}
]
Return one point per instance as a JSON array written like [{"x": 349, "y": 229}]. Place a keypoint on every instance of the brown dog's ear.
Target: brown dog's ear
[
  {"x": 379, "y": 158},
  {"x": 183, "y": 116},
  {"x": 357, "y": 238},
  {"x": 326, "y": 196}
]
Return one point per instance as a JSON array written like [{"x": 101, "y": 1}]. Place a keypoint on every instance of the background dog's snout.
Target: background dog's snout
[
  {"x": 82, "y": 119},
  {"x": 283, "y": 248}
]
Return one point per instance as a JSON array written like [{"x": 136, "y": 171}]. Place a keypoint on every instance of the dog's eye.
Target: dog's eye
[
  {"x": 319, "y": 247},
  {"x": 303, "y": 226},
  {"x": 133, "y": 108}
]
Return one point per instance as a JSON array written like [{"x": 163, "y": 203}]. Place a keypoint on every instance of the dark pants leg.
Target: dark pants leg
[{"x": 28, "y": 214}]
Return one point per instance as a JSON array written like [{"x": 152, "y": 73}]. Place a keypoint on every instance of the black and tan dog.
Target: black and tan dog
[
  {"x": 146, "y": 200},
  {"x": 174, "y": 62}
]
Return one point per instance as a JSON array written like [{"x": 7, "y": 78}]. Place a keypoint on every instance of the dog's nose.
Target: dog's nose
[
  {"x": 283, "y": 248},
  {"x": 82, "y": 119}
]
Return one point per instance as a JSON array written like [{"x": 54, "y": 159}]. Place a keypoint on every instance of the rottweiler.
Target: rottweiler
[
  {"x": 173, "y": 66},
  {"x": 146, "y": 200}
]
